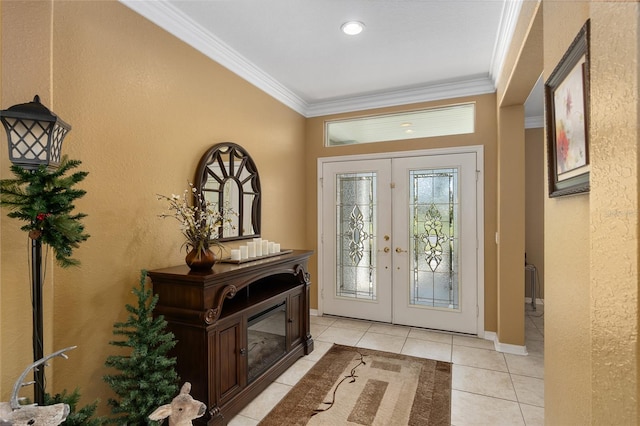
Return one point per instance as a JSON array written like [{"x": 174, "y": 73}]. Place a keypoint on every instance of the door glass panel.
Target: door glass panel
[
  {"x": 434, "y": 238},
  {"x": 355, "y": 239}
]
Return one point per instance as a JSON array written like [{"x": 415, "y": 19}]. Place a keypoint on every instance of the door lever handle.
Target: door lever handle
[
  {"x": 399, "y": 250},
  {"x": 386, "y": 250}
]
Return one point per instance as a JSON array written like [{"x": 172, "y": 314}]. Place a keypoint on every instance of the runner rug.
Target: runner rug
[{"x": 356, "y": 386}]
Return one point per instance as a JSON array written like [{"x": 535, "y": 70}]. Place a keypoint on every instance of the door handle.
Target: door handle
[
  {"x": 399, "y": 250},
  {"x": 386, "y": 250}
]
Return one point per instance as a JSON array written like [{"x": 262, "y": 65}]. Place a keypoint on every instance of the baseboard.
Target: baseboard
[
  {"x": 509, "y": 348},
  {"x": 506, "y": 348},
  {"x": 490, "y": 335}
]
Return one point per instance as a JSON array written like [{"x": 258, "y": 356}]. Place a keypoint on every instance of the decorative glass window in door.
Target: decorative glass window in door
[
  {"x": 434, "y": 238},
  {"x": 355, "y": 239}
]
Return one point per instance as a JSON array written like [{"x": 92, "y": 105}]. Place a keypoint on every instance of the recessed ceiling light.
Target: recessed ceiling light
[{"x": 352, "y": 27}]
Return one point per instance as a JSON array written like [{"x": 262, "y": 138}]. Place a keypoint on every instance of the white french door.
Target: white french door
[
  {"x": 357, "y": 247},
  {"x": 435, "y": 240},
  {"x": 399, "y": 240}
]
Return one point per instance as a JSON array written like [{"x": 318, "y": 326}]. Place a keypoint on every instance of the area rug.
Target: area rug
[{"x": 356, "y": 386}]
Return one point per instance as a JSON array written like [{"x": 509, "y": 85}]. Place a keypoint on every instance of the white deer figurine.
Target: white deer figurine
[
  {"x": 14, "y": 414},
  {"x": 182, "y": 410}
]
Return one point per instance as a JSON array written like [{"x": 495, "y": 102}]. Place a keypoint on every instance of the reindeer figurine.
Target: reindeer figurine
[
  {"x": 14, "y": 414},
  {"x": 182, "y": 410}
]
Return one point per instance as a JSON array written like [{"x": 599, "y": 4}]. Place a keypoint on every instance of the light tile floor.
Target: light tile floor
[{"x": 488, "y": 387}]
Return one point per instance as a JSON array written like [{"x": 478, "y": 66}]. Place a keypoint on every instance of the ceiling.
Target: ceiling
[{"x": 410, "y": 50}]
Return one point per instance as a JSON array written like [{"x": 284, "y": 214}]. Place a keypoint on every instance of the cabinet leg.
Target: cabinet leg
[{"x": 308, "y": 345}]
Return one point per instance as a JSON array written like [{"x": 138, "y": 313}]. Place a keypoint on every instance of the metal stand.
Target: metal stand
[
  {"x": 533, "y": 276},
  {"x": 38, "y": 346}
]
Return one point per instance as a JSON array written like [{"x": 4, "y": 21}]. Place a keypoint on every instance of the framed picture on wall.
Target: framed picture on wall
[{"x": 567, "y": 114}]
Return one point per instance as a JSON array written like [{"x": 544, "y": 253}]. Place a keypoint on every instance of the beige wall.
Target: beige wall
[
  {"x": 591, "y": 241},
  {"x": 535, "y": 175},
  {"x": 567, "y": 308},
  {"x": 21, "y": 80},
  {"x": 520, "y": 73},
  {"x": 613, "y": 211},
  {"x": 511, "y": 225},
  {"x": 485, "y": 135},
  {"x": 144, "y": 107}
]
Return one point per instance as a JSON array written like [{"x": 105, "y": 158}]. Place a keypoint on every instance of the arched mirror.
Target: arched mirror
[{"x": 228, "y": 177}]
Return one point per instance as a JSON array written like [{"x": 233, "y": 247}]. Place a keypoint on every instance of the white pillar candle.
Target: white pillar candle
[
  {"x": 251, "y": 248},
  {"x": 271, "y": 247},
  {"x": 244, "y": 252},
  {"x": 235, "y": 254},
  {"x": 258, "y": 242},
  {"x": 276, "y": 247},
  {"x": 265, "y": 247}
]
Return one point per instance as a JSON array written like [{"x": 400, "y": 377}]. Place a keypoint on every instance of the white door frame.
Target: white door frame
[{"x": 478, "y": 150}]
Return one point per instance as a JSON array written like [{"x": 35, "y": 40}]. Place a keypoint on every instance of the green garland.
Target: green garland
[{"x": 44, "y": 199}]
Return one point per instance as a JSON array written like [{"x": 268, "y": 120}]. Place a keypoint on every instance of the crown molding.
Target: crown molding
[
  {"x": 172, "y": 20},
  {"x": 508, "y": 22},
  {"x": 534, "y": 122},
  {"x": 450, "y": 90}
]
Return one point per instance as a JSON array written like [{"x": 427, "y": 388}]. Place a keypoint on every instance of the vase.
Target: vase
[{"x": 200, "y": 260}]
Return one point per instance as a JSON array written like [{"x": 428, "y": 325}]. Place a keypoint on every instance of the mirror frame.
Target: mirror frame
[{"x": 240, "y": 160}]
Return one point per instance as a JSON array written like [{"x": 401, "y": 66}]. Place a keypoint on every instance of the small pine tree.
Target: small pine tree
[
  {"x": 148, "y": 378},
  {"x": 81, "y": 417}
]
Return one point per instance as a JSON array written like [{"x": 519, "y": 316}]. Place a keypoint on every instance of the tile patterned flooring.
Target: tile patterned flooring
[{"x": 488, "y": 387}]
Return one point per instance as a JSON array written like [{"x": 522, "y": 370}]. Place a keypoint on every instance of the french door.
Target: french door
[{"x": 399, "y": 240}]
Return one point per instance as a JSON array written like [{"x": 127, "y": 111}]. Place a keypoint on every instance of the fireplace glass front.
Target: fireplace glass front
[{"x": 266, "y": 338}]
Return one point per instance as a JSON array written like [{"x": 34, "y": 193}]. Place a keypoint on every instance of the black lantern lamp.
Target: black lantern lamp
[
  {"x": 35, "y": 134},
  {"x": 35, "y": 137}
]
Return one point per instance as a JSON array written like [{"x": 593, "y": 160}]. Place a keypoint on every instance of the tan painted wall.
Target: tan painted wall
[
  {"x": 591, "y": 241},
  {"x": 26, "y": 61},
  {"x": 567, "y": 308},
  {"x": 521, "y": 33},
  {"x": 613, "y": 211},
  {"x": 522, "y": 69},
  {"x": 144, "y": 107},
  {"x": 485, "y": 135},
  {"x": 511, "y": 225},
  {"x": 535, "y": 175},
  {"x": 567, "y": 352}
]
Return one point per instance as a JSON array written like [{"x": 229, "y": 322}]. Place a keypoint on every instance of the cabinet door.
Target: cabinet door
[
  {"x": 230, "y": 366},
  {"x": 294, "y": 322}
]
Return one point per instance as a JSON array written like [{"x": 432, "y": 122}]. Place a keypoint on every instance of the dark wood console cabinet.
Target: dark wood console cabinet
[{"x": 238, "y": 327}]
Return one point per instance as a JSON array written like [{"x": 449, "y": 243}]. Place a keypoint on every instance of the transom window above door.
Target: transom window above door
[{"x": 441, "y": 121}]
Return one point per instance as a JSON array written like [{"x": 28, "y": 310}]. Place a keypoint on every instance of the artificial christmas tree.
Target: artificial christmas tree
[{"x": 148, "y": 377}]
